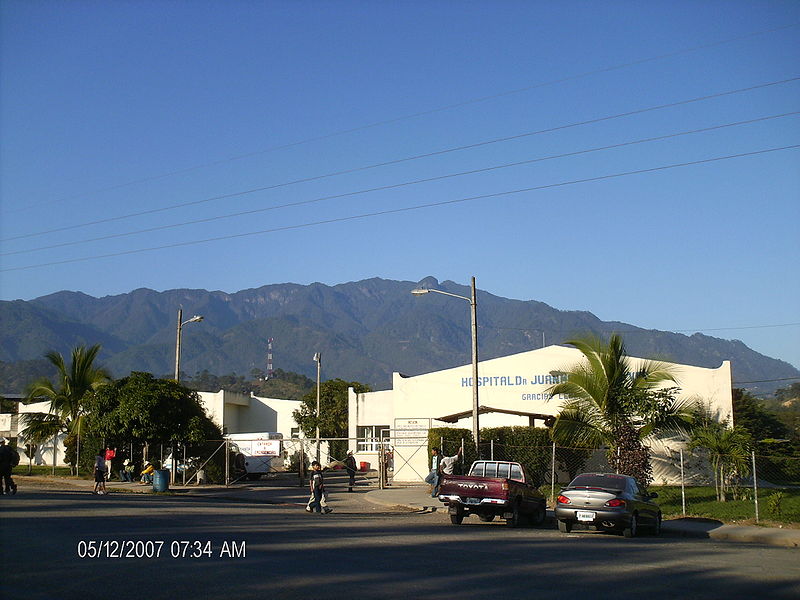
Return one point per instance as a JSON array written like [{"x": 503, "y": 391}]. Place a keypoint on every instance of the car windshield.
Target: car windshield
[{"x": 595, "y": 480}]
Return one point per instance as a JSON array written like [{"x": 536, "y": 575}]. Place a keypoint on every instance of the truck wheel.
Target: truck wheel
[
  {"x": 631, "y": 530},
  {"x": 538, "y": 516},
  {"x": 564, "y": 526},
  {"x": 486, "y": 518},
  {"x": 457, "y": 517},
  {"x": 516, "y": 516}
]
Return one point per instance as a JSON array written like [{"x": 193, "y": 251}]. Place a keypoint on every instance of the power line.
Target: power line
[
  {"x": 406, "y": 159},
  {"x": 404, "y": 209},
  {"x": 415, "y": 115},
  {"x": 767, "y": 380},
  {"x": 643, "y": 330},
  {"x": 396, "y": 185}
]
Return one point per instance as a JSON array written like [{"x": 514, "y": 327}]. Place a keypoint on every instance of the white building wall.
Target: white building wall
[
  {"x": 44, "y": 453},
  {"x": 516, "y": 382}
]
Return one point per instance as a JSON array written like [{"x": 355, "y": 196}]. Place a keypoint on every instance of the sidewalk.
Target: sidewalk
[{"x": 418, "y": 498}]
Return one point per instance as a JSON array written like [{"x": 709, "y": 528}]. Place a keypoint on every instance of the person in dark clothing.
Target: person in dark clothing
[
  {"x": 317, "y": 484},
  {"x": 9, "y": 458},
  {"x": 350, "y": 466}
]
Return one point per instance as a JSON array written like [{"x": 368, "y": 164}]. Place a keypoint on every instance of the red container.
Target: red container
[{"x": 364, "y": 466}]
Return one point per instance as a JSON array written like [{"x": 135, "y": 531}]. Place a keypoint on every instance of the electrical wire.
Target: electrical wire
[
  {"x": 643, "y": 330},
  {"x": 398, "y": 185},
  {"x": 414, "y": 115},
  {"x": 406, "y": 159},
  {"x": 404, "y": 209}
]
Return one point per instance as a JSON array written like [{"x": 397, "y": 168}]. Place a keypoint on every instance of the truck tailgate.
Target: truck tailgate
[{"x": 473, "y": 487}]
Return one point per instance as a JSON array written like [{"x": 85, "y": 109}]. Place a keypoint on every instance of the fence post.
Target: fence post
[
  {"x": 491, "y": 451},
  {"x": 380, "y": 464},
  {"x": 553, "y": 476},
  {"x": 184, "y": 466},
  {"x": 301, "y": 463},
  {"x": 755, "y": 482},
  {"x": 227, "y": 463},
  {"x": 683, "y": 488}
]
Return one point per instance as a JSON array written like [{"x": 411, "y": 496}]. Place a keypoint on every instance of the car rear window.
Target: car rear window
[
  {"x": 503, "y": 470},
  {"x": 614, "y": 482},
  {"x": 477, "y": 469},
  {"x": 491, "y": 469}
]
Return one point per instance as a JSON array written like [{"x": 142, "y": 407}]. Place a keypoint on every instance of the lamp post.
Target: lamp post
[
  {"x": 181, "y": 323},
  {"x": 474, "y": 313},
  {"x": 318, "y": 360}
]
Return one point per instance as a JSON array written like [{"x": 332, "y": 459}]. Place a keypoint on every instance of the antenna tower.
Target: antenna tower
[{"x": 269, "y": 360}]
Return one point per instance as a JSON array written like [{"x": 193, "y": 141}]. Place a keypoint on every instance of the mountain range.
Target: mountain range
[{"x": 364, "y": 330}]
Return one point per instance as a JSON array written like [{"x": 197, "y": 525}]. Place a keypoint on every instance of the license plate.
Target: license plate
[
  {"x": 585, "y": 515},
  {"x": 473, "y": 500}
]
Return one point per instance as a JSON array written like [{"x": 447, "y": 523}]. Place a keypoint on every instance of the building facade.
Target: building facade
[{"x": 510, "y": 385}]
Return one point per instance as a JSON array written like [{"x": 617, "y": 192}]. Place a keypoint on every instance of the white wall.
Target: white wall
[{"x": 516, "y": 382}]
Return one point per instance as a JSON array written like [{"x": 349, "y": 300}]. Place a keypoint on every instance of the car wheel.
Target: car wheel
[
  {"x": 516, "y": 516},
  {"x": 486, "y": 518},
  {"x": 458, "y": 516},
  {"x": 564, "y": 526},
  {"x": 657, "y": 525},
  {"x": 538, "y": 516},
  {"x": 631, "y": 530}
]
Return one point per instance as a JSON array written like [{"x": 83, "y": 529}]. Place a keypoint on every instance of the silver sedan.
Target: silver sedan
[{"x": 609, "y": 502}]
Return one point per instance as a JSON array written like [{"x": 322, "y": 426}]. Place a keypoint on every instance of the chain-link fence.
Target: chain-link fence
[{"x": 748, "y": 486}]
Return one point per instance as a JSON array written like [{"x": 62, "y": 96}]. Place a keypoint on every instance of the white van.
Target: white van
[{"x": 254, "y": 453}]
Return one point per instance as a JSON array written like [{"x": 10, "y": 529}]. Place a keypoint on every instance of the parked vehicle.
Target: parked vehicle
[
  {"x": 607, "y": 502},
  {"x": 253, "y": 453},
  {"x": 493, "y": 489}
]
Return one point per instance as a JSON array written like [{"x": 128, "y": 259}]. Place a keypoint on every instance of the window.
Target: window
[
  {"x": 295, "y": 434},
  {"x": 516, "y": 473},
  {"x": 477, "y": 469},
  {"x": 369, "y": 437},
  {"x": 503, "y": 470},
  {"x": 491, "y": 469}
]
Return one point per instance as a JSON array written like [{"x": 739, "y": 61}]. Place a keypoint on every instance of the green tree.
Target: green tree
[
  {"x": 610, "y": 403},
  {"x": 142, "y": 409},
  {"x": 751, "y": 415},
  {"x": 67, "y": 397},
  {"x": 332, "y": 411},
  {"x": 728, "y": 451}
]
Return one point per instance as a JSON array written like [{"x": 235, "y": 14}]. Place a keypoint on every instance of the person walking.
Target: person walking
[
  {"x": 350, "y": 467},
  {"x": 9, "y": 458},
  {"x": 100, "y": 474},
  {"x": 317, "y": 485},
  {"x": 109, "y": 456}
]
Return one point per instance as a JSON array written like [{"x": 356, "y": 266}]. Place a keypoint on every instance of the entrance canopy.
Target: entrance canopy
[{"x": 548, "y": 419}]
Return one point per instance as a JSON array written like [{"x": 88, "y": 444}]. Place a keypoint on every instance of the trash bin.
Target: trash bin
[
  {"x": 364, "y": 466},
  {"x": 161, "y": 480}
]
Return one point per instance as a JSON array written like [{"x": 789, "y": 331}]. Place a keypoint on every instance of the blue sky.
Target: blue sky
[{"x": 120, "y": 118}]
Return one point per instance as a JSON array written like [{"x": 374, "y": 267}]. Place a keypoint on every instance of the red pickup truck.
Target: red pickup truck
[{"x": 492, "y": 489}]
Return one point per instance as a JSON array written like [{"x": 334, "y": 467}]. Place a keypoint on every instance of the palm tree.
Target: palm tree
[
  {"x": 728, "y": 451},
  {"x": 612, "y": 404},
  {"x": 66, "y": 397}
]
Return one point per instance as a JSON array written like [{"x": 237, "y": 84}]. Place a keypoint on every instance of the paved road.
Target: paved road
[{"x": 360, "y": 550}]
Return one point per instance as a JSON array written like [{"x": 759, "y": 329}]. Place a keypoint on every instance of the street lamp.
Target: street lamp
[
  {"x": 474, "y": 310},
  {"x": 181, "y": 323},
  {"x": 318, "y": 360}
]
